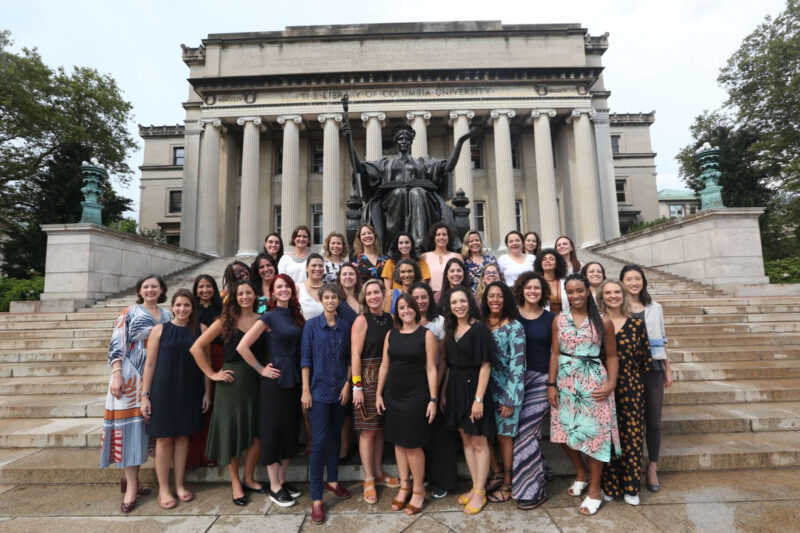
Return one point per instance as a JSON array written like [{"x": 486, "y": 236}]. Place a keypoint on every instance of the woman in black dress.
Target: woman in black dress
[
  {"x": 280, "y": 385},
  {"x": 469, "y": 353},
  {"x": 175, "y": 386},
  {"x": 234, "y": 420},
  {"x": 366, "y": 346},
  {"x": 408, "y": 378}
]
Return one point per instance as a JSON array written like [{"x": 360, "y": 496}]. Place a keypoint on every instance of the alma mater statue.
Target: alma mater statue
[{"x": 404, "y": 193}]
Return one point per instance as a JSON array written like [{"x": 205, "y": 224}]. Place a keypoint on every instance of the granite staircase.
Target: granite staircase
[{"x": 735, "y": 402}]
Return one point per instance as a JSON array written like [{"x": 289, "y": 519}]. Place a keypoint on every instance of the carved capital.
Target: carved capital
[
  {"x": 283, "y": 119},
  {"x": 578, "y": 111},
  {"x": 380, "y": 115},
  {"x": 494, "y": 114},
  {"x": 324, "y": 117},
  {"x": 455, "y": 113},
  {"x": 536, "y": 113},
  {"x": 255, "y": 120},
  {"x": 213, "y": 122},
  {"x": 411, "y": 115}
]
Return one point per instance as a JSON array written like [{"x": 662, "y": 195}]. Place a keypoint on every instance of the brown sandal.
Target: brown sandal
[
  {"x": 387, "y": 481},
  {"x": 411, "y": 509},
  {"x": 501, "y": 494},
  {"x": 370, "y": 494},
  {"x": 495, "y": 480},
  {"x": 398, "y": 504}
]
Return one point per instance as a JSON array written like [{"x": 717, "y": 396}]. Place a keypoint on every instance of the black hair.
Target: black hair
[
  {"x": 446, "y": 282},
  {"x": 538, "y": 242},
  {"x": 216, "y": 298},
  {"x": 231, "y": 311},
  {"x": 394, "y": 253},
  {"x": 414, "y": 265},
  {"x": 585, "y": 268},
  {"x": 138, "y": 287},
  {"x": 432, "y": 236},
  {"x": 431, "y": 313},
  {"x": 519, "y": 234},
  {"x": 256, "y": 277},
  {"x": 561, "y": 265},
  {"x": 450, "y": 320},
  {"x": 509, "y": 310},
  {"x": 591, "y": 307},
  {"x": 227, "y": 277},
  {"x": 522, "y": 281},
  {"x": 280, "y": 239},
  {"x": 644, "y": 296}
]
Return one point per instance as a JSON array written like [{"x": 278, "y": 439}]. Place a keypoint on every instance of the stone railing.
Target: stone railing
[
  {"x": 719, "y": 247},
  {"x": 88, "y": 262}
]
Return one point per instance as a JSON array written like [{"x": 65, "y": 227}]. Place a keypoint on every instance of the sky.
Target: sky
[{"x": 663, "y": 55}]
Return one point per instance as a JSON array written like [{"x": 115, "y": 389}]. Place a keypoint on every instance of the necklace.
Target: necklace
[{"x": 494, "y": 324}]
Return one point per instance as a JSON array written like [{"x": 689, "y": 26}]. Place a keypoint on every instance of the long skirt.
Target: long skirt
[
  {"x": 125, "y": 441},
  {"x": 197, "y": 441},
  {"x": 234, "y": 422},
  {"x": 529, "y": 475},
  {"x": 366, "y": 415},
  {"x": 580, "y": 422}
]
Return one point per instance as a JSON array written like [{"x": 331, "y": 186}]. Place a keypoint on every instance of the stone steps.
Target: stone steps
[
  {"x": 709, "y": 371},
  {"x": 735, "y": 353},
  {"x": 6, "y": 318},
  {"x": 52, "y": 406},
  {"x": 47, "y": 369},
  {"x": 733, "y": 391},
  {"x": 711, "y": 340},
  {"x": 55, "y": 385},
  {"x": 732, "y": 418},
  {"x": 54, "y": 354},
  {"x": 51, "y": 432},
  {"x": 56, "y": 343},
  {"x": 70, "y": 333},
  {"x": 59, "y": 325}
]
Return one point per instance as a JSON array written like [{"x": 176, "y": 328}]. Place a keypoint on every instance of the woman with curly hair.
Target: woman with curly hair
[
  {"x": 403, "y": 247},
  {"x": 280, "y": 385},
  {"x": 489, "y": 274},
  {"x": 234, "y": 420},
  {"x": 551, "y": 266},
  {"x": 235, "y": 271}
]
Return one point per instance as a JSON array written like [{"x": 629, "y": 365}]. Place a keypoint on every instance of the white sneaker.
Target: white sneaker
[
  {"x": 607, "y": 497},
  {"x": 631, "y": 500}
]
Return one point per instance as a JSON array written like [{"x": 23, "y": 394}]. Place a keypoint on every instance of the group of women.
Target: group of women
[{"x": 420, "y": 351}]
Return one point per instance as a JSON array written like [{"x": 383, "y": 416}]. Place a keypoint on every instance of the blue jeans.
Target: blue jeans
[{"x": 326, "y": 441}]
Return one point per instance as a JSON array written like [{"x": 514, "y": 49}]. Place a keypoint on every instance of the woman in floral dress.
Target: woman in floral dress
[
  {"x": 507, "y": 378},
  {"x": 583, "y": 417}
]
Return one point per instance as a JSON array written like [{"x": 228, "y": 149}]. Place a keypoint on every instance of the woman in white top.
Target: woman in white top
[
  {"x": 293, "y": 263},
  {"x": 516, "y": 261},
  {"x": 440, "y": 243},
  {"x": 307, "y": 290}
]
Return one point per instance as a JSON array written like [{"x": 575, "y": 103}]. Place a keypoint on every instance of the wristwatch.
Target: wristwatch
[
  {"x": 145, "y": 394},
  {"x": 478, "y": 399},
  {"x": 434, "y": 400}
]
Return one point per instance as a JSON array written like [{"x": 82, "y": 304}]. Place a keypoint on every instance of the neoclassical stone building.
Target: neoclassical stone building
[{"x": 260, "y": 148}]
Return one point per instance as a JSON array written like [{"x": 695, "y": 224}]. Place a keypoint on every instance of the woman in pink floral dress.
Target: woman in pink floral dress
[{"x": 581, "y": 392}]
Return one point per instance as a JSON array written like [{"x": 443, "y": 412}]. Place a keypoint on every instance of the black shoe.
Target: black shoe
[
  {"x": 653, "y": 487},
  {"x": 439, "y": 492},
  {"x": 282, "y": 498},
  {"x": 263, "y": 490},
  {"x": 241, "y": 502},
  {"x": 292, "y": 490}
]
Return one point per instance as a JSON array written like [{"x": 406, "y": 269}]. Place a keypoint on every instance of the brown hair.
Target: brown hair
[
  {"x": 297, "y": 230},
  {"x": 358, "y": 248},
  {"x": 159, "y": 279},
  {"x": 407, "y": 298},
  {"x": 231, "y": 310},
  {"x": 193, "y": 324},
  {"x": 326, "y": 245},
  {"x": 524, "y": 279}
]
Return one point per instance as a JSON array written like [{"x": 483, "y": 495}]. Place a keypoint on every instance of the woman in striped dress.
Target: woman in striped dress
[
  {"x": 125, "y": 442},
  {"x": 530, "y": 471}
]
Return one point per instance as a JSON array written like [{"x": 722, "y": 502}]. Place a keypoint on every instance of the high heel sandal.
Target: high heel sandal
[
  {"x": 577, "y": 488},
  {"x": 413, "y": 509},
  {"x": 397, "y": 504},
  {"x": 466, "y": 497},
  {"x": 370, "y": 494},
  {"x": 469, "y": 510},
  {"x": 141, "y": 491}
]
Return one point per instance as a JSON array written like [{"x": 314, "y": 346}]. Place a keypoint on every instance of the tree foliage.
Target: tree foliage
[{"x": 50, "y": 122}]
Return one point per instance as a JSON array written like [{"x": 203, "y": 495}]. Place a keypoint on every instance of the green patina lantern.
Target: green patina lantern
[
  {"x": 707, "y": 157},
  {"x": 93, "y": 176}
]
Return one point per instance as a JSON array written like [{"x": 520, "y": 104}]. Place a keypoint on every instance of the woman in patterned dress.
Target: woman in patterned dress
[
  {"x": 125, "y": 442},
  {"x": 508, "y": 368},
  {"x": 475, "y": 261},
  {"x": 622, "y": 477},
  {"x": 581, "y": 392},
  {"x": 367, "y": 254}
]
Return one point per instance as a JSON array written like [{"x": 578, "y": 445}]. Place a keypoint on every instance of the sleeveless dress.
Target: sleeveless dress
[
  {"x": 234, "y": 422},
  {"x": 197, "y": 441},
  {"x": 367, "y": 417},
  {"x": 176, "y": 394},
  {"x": 579, "y": 421},
  {"x": 407, "y": 394},
  {"x": 508, "y": 375}
]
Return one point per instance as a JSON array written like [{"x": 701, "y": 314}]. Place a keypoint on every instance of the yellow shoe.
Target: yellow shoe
[
  {"x": 472, "y": 510},
  {"x": 466, "y": 497}
]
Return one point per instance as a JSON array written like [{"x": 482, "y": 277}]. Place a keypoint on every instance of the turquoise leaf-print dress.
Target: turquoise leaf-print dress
[{"x": 508, "y": 375}]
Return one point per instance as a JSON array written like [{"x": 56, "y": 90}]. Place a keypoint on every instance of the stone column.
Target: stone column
[
  {"x": 331, "y": 186},
  {"x": 459, "y": 119},
  {"x": 248, "y": 211},
  {"x": 419, "y": 121},
  {"x": 208, "y": 187},
  {"x": 374, "y": 121},
  {"x": 290, "y": 179},
  {"x": 605, "y": 167},
  {"x": 585, "y": 193},
  {"x": 191, "y": 167},
  {"x": 504, "y": 173},
  {"x": 545, "y": 176}
]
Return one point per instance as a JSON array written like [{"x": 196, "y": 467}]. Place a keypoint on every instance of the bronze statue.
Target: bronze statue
[{"x": 404, "y": 193}]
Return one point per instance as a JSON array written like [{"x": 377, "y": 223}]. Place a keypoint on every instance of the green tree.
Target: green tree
[
  {"x": 763, "y": 83},
  {"x": 51, "y": 121}
]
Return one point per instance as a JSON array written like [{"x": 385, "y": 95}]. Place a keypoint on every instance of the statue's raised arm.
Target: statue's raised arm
[
  {"x": 453, "y": 159},
  {"x": 348, "y": 136}
]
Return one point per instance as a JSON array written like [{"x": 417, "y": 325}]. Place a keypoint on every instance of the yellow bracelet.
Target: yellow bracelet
[{"x": 356, "y": 379}]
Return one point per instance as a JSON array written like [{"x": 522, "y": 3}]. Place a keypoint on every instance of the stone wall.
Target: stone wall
[
  {"x": 719, "y": 247},
  {"x": 87, "y": 262}
]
